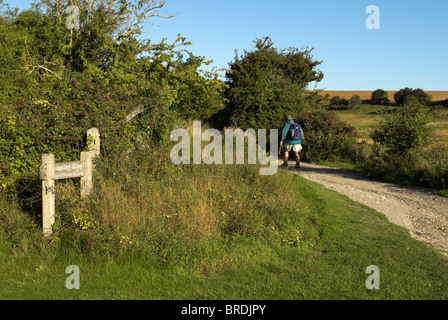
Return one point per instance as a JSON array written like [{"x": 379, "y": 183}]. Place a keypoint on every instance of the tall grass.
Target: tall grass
[
  {"x": 215, "y": 232},
  {"x": 179, "y": 213},
  {"x": 153, "y": 230},
  {"x": 197, "y": 205}
]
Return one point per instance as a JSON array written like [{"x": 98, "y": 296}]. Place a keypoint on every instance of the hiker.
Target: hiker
[{"x": 292, "y": 136}]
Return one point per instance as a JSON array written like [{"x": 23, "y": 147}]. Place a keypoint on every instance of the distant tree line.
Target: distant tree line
[
  {"x": 401, "y": 97},
  {"x": 381, "y": 97}
]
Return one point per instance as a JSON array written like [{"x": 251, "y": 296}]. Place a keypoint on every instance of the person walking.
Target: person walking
[{"x": 291, "y": 140}]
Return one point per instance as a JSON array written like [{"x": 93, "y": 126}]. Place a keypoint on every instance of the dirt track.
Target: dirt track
[{"x": 422, "y": 212}]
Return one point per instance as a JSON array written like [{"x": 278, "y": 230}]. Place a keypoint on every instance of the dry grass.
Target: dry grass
[
  {"x": 440, "y": 129},
  {"x": 363, "y": 124},
  {"x": 366, "y": 117},
  {"x": 184, "y": 208},
  {"x": 359, "y": 121}
]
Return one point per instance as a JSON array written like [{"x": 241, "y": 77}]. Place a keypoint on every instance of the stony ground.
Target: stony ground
[{"x": 422, "y": 212}]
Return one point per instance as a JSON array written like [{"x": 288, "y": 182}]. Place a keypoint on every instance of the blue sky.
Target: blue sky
[{"x": 409, "y": 50}]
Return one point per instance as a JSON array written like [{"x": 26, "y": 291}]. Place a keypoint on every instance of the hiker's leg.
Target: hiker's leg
[
  {"x": 297, "y": 156},
  {"x": 297, "y": 159},
  {"x": 286, "y": 155}
]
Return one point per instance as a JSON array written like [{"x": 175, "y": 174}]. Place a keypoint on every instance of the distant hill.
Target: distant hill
[{"x": 366, "y": 95}]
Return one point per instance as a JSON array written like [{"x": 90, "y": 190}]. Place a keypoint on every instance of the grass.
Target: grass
[
  {"x": 428, "y": 166},
  {"x": 214, "y": 232},
  {"x": 443, "y": 193},
  {"x": 367, "y": 116}
]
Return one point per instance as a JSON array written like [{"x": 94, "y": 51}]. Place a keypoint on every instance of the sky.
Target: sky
[{"x": 410, "y": 48}]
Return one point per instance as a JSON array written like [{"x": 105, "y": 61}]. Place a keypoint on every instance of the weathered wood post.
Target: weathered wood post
[
  {"x": 86, "y": 180},
  {"x": 48, "y": 204},
  {"x": 94, "y": 146},
  {"x": 51, "y": 171},
  {"x": 93, "y": 140}
]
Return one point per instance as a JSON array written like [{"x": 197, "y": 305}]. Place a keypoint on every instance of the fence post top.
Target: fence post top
[
  {"x": 47, "y": 155},
  {"x": 93, "y": 130}
]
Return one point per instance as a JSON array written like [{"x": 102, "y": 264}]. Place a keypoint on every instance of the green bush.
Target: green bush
[
  {"x": 338, "y": 103},
  {"x": 266, "y": 84},
  {"x": 355, "y": 101},
  {"x": 380, "y": 96},
  {"x": 427, "y": 167},
  {"x": 55, "y": 85},
  {"x": 31, "y": 128},
  {"x": 16, "y": 227},
  {"x": 435, "y": 173},
  {"x": 406, "y": 95},
  {"x": 404, "y": 130},
  {"x": 402, "y": 154},
  {"x": 335, "y": 100},
  {"x": 328, "y": 138}
]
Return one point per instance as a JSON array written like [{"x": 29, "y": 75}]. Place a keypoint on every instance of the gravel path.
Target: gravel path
[{"x": 422, "y": 212}]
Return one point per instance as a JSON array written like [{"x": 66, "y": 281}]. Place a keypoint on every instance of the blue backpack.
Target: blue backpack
[{"x": 295, "y": 132}]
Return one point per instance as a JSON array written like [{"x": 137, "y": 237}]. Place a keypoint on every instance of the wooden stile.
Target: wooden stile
[{"x": 50, "y": 171}]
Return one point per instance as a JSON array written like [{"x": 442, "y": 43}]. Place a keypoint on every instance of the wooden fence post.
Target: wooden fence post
[
  {"x": 86, "y": 180},
  {"x": 50, "y": 171},
  {"x": 95, "y": 146},
  {"x": 48, "y": 203}
]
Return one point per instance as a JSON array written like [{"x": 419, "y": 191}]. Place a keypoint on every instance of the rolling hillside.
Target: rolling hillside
[{"x": 366, "y": 95}]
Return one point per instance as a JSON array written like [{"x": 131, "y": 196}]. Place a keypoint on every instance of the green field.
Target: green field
[
  {"x": 228, "y": 233},
  {"x": 367, "y": 116}
]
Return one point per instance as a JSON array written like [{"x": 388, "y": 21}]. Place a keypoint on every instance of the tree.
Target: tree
[
  {"x": 109, "y": 31},
  {"x": 266, "y": 84},
  {"x": 197, "y": 94},
  {"x": 405, "y": 95},
  {"x": 380, "y": 96},
  {"x": 403, "y": 131},
  {"x": 53, "y": 88},
  {"x": 355, "y": 101},
  {"x": 128, "y": 16},
  {"x": 334, "y": 101},
  {"x": 338, "y": 103}
]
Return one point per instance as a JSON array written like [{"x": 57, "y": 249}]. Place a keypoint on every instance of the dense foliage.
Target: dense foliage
[
  {"x": 380, "y": 96},
  {"x": 328, "y": 137},
  {"x": 56, "y": 83},
  {"x": 403, "y": 152},
  {"x": 266, "y": 84},
  {"x": 406, "y": 95},
  {"x": 403, "y": 130},
  {"x": 338, "y": 103},
  {"x": 355, "y": 101}
]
